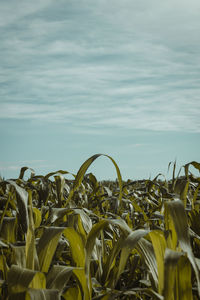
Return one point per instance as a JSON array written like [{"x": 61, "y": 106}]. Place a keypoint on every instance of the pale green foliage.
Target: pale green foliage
[{"x": 84, "y": 239}]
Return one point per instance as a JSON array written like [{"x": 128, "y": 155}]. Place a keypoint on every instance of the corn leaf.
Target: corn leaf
[
  {"x": 72, "y": 293},
  {"x": 20, "y": 279},
  {"x": 57, "y": 172},
  {"x": 37, "y": 217},
  {"x": 159, "y": 246},
  {"x": 82, "y": 279},
  {"x": 108, "y": 280},
  {"x": 18, "y": 256},
  {"x": 179, "y": 217},
  {"x": 146, "y": 251},
  {"x": 195, "y": 164},
  {"x": 8, "y": 229},
  {"x": 76, "y": 246},
  {"x": 22, "y": 204},
  {"x": 31, "y": 254},
  {"x": 171, "y": 234},
  {"x": 170, "y": 266},
  {"x": 23, "y": 170},
  {"x": 184, "y": 289},
  {"x": 60, "y": 183},
  {"x": 93, "y": 234},
  {"x": 47, "y": 246},
  {"x": 83, "y": 169},
  {"x": 42, "y": 294},
  {"x": 56, "y": 213},
  {"x": 128, "y": 245},
  {"x": 58, "y": 277}
]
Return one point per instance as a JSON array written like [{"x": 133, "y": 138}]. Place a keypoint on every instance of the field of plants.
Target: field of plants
[{"x": 83, "y": 239}]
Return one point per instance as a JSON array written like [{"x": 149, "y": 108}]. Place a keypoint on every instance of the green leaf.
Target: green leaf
[
  {"x": 129, "y": 243},
  {"x": 37, "y": 217},
  {"x": 184, "y": 279},
  {"x": 146, "y": 251},
  {"x": 195, "y": 164},
  {"x": 171, "y": 235},
  {"x": 56, "y": 213},
  {"x": 82, "y": 278},
  {"x": 57, "y": 172},
  {"x": 107, "y": 279},
  {"x": 47, "y": 246},
  {"x": 22, "y": 204},
  {"x": 170, "y": 266},
  {"x": 20, "y": 279},
  {"x": 60, "y": 183},
  {"x": 93, "y": 234},
  {"x": 76, "y": 246},
  {"x": 83, "y": 169},
  {"x": 72, "y": 293},
  {"x": 18, "y": 256},
  {"x": 179, "y": 217},
  {"x": 58, "y": 277},
  {"x": 159, "y": 246},
  {"x": 42, "y": 294},
  {"x": 3, "y": 245},
  {"x": 31, "y": 254},
  {"x": 8, "y": 229},
  {"x": 22, "y": 171}
]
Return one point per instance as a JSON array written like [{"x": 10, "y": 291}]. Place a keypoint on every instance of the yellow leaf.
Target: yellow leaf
[
  {"x": 47, "y": 246},
  {"x": 72, "y": 293},
  {"x": 159, "y": 246},
  {"x": 76, "y": 246}
]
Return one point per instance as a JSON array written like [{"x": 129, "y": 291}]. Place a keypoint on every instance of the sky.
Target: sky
[{"x": 81, "y": 77}]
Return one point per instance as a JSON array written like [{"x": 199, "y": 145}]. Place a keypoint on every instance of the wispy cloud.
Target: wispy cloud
[
  {"x": 7, "y": 167},
  {"x": 101, "y": 65}
]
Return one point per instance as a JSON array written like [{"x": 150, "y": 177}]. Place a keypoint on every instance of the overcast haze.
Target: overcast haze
[{"x": 119, "y": 77}]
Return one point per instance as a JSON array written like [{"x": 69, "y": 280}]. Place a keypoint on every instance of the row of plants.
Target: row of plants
[{"x": 84, "y": 239}]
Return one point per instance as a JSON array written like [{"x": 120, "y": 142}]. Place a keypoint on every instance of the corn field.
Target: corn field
[{"x": 83, "y": 239}]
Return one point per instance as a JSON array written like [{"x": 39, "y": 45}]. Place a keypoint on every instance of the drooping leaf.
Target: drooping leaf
[
  {"x": 171, "y": 234},
  {"x": 179, "y": 217},
  {"x": 22, "y": 171},
  {"x": 184, "y": 285},
  {"x": 93, "y": 234},
  {"x": 20, "y": 279},
  {"x": 170, "y": 265},
  {"x": 129, "y": 243},
  {"x": 42, "y": 294},
  {"x": 72, "y": 293},
  {"x": 8, "y": 229},
  {"x": 57, "y": 172},
  {"x": 159, "y": 246},
  {"x": 2, "y": 244},
  {"x": 76, "y": 246},
  {"x": 83, "y": 169},
  {"x": 58, "y": 277},
  {"x": 82, "y": 278},
  {"x": 107, "y": 279},
  {"x": 195, "y": 164},
  {"x": 146, "y": 251},
  {"x": 47, "y": 246},
  {"x": 22, "y": 204},
  {"x": 37, "y": 217},
  {"x": 56, "y": 213},
  {"x": 18, "y": 256}
]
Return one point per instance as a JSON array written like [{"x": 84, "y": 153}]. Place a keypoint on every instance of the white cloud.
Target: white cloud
[
  {"x": 12, "y": 11},
  {"x": 116, "y": 64},
  {"x": 16, "y": 166}
]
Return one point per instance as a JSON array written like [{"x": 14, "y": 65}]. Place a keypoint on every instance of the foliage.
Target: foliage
[{"x": 84, "y": 239}]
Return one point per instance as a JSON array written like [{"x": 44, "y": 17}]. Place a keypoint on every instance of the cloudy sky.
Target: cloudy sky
[{"x": 119, "y": 77}]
